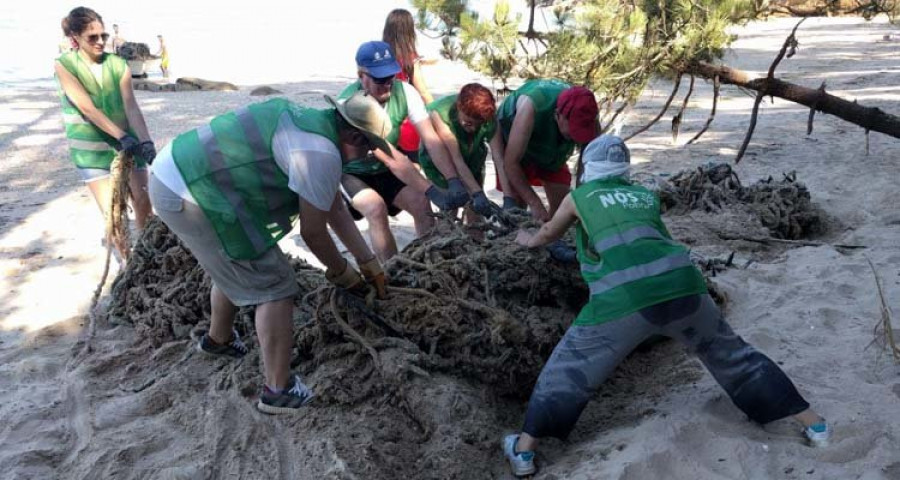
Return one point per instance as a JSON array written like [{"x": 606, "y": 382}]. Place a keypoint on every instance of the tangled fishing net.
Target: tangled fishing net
[{"x": 783, "y": 207}]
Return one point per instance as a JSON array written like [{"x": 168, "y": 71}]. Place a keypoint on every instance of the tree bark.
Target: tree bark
[{"x": 869, "y": 118}]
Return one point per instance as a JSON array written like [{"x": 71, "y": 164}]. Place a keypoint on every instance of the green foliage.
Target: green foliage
[{"x": 611, "y": 46}]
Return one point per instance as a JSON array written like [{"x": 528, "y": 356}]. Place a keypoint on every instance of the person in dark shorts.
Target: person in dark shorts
[{"x": 377, "y": 68}]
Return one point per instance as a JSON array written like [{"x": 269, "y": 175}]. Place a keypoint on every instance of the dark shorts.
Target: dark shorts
[{"x": 385, "y": 184}]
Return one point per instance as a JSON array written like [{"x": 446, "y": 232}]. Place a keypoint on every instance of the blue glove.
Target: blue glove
[
  {"x": 459, "y": 196},
  {"x": 482, "y": 205},
  {"x": 561, "y": 252},
  {"x": 147, "y": 151},
  {"x": 510, "y": 203},
  {"x": 129, "y": 144},
  {"x": 440, "y": 197}
]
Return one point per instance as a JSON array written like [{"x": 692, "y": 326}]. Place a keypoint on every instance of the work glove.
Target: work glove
[
  {"x": 459, "y": 196},
  {"x": 374, "y": 274},
  {"x": 482, "y": 205},
  {"x": 147, "y": 151},
  {"x": 510, "y": 203},
  {"x": 562, "y": 252},
  {"x": 440, "y": 197},
  {"x": 348, "y": 279},
  {"x": 129, "y": 144}
]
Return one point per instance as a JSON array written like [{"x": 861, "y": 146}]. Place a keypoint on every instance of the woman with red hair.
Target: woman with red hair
[{"x": 465, "y": 123}]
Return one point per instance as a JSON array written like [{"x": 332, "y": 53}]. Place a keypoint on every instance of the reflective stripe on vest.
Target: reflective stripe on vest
[
  {"x": 656, "y": 267},
  {"x": 267, "y": 169},
  {"x": 624, "y": 238},
  {"x": 223, "y": 177},
  {"x": 89, "y": 145}
]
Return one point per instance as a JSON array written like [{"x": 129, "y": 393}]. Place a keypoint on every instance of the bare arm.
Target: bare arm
[
  {"x": 452, "y": 145},
  {"x": 80, "y": 98},
  {"x": 436, "y": 149},
  {"x": 553, "y": 230},
  {"x": 314, "y": 231},
  {"x": 418, "y": 81},
  {"x": 497, "y": 152},
  {"x": 519, "y": 134},
  {"x": 402, "y": 168},
  {"x": 343, "y": 225},
  {"x": 132, "y": 110}
]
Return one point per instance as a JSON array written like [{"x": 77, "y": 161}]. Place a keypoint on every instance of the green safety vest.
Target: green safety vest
[
  {"x": 397, "y": 110},
  {"x": 628, "y": 259},
  {"x": 89, "y": 146},
  {"x": 229, "y": 168},
  {"x": 547, "y": 148},
  {"x": 473, "y": 147}
]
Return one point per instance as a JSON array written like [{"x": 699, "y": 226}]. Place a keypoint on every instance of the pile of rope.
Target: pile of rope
[
  {"x": 481, "y": 309},
  {"x": 783, "y": 207}
]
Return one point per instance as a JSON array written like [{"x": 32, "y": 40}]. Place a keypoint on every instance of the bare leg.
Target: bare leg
[
  {"x": 556, "y": 192},
  {"x": 274, "y": 327},
  {"x": 369, "y": 203},
  {"x": 221, "y": 321},
  {"x": 808, "y": 417},
  {"x": 418, "y": 206},
  {"x": 526, "y": 443},
  {"x": 140, "y": 199}
]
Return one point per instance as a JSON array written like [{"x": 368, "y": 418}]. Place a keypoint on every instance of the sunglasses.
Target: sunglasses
[
  {"x": 381, "y": 80},
  {"x": 96, "y": 37}
]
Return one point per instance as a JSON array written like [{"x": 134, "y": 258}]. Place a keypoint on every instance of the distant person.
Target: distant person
[
  {"x": 466, "y": 122},
  {"x": 400, "y": 34},
  {"x": 642, "y": 284},
  {"x": 541, "y": 123},
  {"x": 163, "y": 55},
  {"x": 66, "y": 44},
  {"x": 380, "y": 185},
  {"x": 101, "y": 115},
  {"x": 232, "y": 188},
  {"x": 116, "y": 42}
]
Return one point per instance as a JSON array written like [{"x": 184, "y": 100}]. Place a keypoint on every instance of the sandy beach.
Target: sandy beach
[{"x": 813, "y": 309}]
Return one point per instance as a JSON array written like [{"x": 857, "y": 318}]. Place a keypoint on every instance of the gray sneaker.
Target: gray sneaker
[
  {"x": 233, "y": 348},
  {"x": 521, "y": 463},
  {"x": 289, "y": 400}
]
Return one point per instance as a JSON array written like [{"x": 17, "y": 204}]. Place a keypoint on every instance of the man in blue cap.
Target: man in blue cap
[{"x": 378, "y": 184}]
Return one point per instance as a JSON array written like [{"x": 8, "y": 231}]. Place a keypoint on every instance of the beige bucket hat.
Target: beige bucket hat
[{"x": 368, "y": 116}]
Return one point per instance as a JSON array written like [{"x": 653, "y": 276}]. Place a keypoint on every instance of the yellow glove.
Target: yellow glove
[
  {"x": 348, "y": 279},
  {"x": 374, "y": 274}
]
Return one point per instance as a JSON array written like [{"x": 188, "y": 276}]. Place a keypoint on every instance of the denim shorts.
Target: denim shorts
[{"x": 89, "y": 175}]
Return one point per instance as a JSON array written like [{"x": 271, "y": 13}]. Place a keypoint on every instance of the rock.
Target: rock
[
  {"x": 201, "y": 84},
  {"x": 135, "y": 51},
  {"x": 264, "y": 90}
]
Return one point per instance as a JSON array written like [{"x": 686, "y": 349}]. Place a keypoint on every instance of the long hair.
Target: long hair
[
  {"x": 400, "y": 34},
  {"x": 77, "y": 21}
]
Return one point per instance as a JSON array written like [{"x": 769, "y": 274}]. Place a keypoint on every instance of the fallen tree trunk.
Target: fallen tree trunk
[{"x": 869, "y": 118}]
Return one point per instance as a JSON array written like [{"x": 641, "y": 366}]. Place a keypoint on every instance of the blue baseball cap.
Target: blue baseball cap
[{"x": 377, "y": 59}]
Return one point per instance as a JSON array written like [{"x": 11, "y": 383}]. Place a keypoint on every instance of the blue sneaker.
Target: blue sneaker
[
  {"x": 289, "y": 400},
  {"x": 521, "y": 463},
  {"x": 819, "y": 434},
  {"x": 233, "y": 348}
]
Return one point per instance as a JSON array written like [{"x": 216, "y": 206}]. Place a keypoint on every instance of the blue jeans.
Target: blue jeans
[{"x": 587, "y": 355}]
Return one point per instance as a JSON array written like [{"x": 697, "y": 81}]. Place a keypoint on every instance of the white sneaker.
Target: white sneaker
[
  {"x": 818, "y": 434},
  {"x": 521, "y": 463}
]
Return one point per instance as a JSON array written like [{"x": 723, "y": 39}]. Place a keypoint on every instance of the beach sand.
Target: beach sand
[{"x": 813, "y": 309}]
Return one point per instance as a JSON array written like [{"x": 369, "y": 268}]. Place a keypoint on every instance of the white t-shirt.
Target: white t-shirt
[
  {"x": 311, "y": 162},
  {"x": 415, "y": 106}
]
